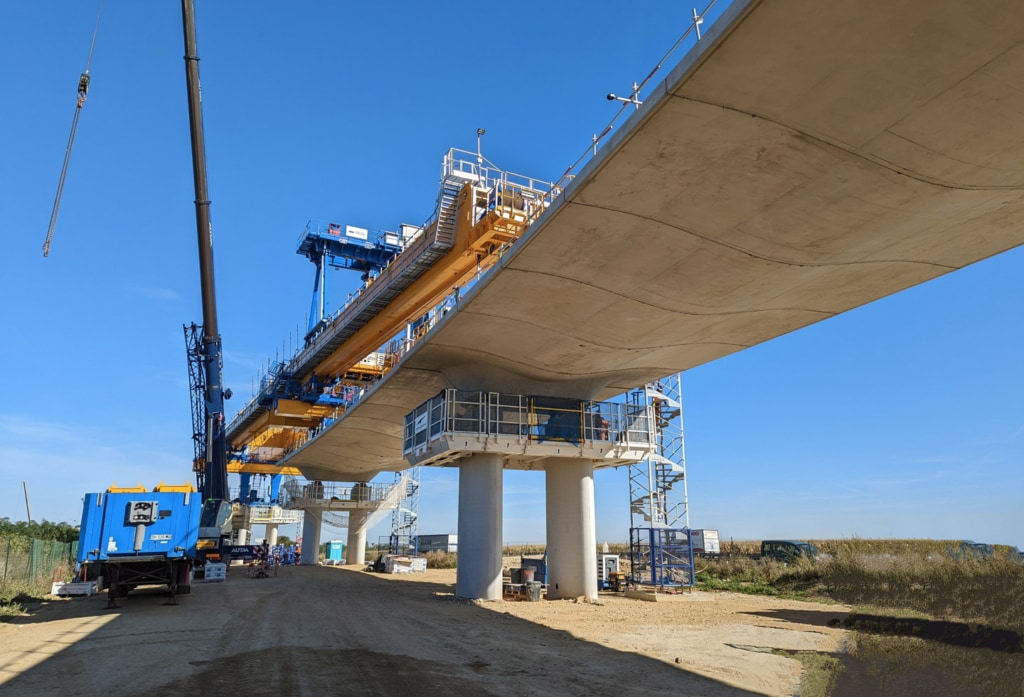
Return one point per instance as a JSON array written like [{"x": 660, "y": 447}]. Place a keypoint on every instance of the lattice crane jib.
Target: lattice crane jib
[{"x": 197, "y": 399}]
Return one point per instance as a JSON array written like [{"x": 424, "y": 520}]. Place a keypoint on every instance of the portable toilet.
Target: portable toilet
[{"x": 336, "y": 550}]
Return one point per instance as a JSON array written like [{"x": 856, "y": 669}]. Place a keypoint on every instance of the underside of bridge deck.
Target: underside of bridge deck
[{"x": 803, "y": 160}]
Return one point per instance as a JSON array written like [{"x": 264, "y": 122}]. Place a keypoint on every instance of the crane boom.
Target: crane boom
[{"x": 214, "y": 480}]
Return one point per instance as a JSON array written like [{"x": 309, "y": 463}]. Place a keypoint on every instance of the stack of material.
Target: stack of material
[
  {"x": 216, "y": 572},
  {"x": 62, "y": 589},
  {"x": 394, "y": 564}
]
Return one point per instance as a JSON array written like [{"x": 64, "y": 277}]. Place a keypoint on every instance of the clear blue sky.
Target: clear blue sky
[{"x": 900, "y": 419}]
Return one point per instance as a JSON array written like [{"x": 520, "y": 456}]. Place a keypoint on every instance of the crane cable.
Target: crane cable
[{"x": 83, "y": 90}]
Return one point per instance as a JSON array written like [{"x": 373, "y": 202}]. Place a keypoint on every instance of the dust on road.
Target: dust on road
[{"x": 336, "y": 630}]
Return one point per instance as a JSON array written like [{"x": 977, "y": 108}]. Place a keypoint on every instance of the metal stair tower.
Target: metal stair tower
[
  {"x": 659, "y": 540},
  {"x": 657, "y": 485},
  {"x": 404, "y": 538}
]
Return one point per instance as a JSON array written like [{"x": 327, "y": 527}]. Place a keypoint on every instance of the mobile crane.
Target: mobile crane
[
  {"x": 133, "y": 536},
  {"x": 204, "y": 343}
]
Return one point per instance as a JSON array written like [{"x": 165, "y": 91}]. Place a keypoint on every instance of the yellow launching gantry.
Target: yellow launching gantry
[{"x": 480, "y": 212}]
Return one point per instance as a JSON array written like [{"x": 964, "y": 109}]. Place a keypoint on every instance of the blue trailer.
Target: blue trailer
[{"x": 137, "y": 537}]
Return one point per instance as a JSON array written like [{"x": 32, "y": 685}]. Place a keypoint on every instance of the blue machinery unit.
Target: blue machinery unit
[
  {"x": 661, "y": 557},
  {"x": 139, "y": 537},
  {"x": 539, "y": 566}
]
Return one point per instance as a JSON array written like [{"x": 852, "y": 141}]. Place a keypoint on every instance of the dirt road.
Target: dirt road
[{"x": 331, "y": 630}]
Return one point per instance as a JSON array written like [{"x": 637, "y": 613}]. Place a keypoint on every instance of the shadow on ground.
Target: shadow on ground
[{"x": 319, "y": 631}]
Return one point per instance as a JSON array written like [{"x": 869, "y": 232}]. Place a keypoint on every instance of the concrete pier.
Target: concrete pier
[
  {"x": 356, "y": 544},
  {"x": 480, "y": 550},
  {"x": 571, "y": 531},
  {"x": 311, "y": 522}
]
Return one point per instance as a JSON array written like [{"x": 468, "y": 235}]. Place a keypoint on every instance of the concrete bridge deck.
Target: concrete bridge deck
[{"x": 804, "y": 159}]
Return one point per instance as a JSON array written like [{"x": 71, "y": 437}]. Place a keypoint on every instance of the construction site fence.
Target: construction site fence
[{"x": 22, "y": 559}]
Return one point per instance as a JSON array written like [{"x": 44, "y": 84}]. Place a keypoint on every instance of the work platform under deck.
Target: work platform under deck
[{"x": 525, "y": 431}]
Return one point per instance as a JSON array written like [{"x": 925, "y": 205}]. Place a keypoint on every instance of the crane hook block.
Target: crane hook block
[{"x": 83, "y": 87}]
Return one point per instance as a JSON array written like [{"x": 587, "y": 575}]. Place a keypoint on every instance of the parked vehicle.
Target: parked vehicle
[
  {"x": 968, "y": 549},
  {"x": 787, "y": 550}
]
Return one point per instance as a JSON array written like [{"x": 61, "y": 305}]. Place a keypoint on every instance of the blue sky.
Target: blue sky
[{"x": 899, "y": 419}]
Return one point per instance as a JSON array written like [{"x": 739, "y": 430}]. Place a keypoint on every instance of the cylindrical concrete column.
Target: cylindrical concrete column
[
  {"x": 571, "y": 529},
  {"x": 271, "y": 534},
  {"x": 243, "y": 536},
  {"x": 479, "y": 571},
  {"x": 356, "y": 552},
  {"x": 311, "y": 520}
]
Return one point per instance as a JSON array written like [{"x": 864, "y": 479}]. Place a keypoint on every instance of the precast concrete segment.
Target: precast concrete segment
[
  {"x": 356, "y": 552},
  {"x": 480, "y": 551},
  {"x": 311, "y": 522},
  {"x": 571, "y": 529},
  {"x": 805, "y": 158}
]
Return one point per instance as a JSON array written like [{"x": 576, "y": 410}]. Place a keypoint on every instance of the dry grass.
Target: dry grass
[
  {"x": 438, "y": 559},
  {"x": 918, "y": 575},
  {"x": 520, "y": 550},
  {"x": 15, "y": 594},
  {"x": 926, "y": 621}
]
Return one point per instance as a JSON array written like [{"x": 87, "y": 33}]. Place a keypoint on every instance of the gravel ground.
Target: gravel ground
[{"x": 338, "y": 630}]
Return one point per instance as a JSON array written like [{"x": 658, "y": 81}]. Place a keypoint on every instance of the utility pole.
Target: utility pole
[{"x": 28, "y": 510}]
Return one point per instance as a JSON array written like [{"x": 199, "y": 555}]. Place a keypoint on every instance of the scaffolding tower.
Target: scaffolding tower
[{"x": 659, "y": 542}]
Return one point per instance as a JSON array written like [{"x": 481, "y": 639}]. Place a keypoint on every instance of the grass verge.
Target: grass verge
[{"x": 15, "y": 595}]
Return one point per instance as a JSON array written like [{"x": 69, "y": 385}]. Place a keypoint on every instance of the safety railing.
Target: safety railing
[
  {"x": 295, "y": 492},
  {"x": 471, "y": 166},
  {"x": 508, "y": 193},
  {"x": 273, "y": 514},
  {"x": 528, "y": 419},
  {"x": 634, "y": 101}
]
